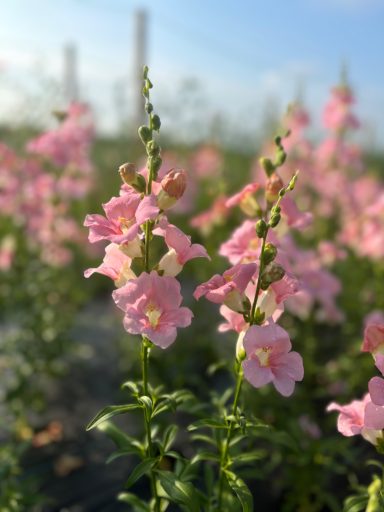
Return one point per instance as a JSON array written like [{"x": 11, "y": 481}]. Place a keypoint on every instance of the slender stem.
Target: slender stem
[
  {"x": 146, "y": 245},
  {"x": 224, "y": 453},
  {"x": 254, "y": 304},
  {"x": 147, "y": 419}
]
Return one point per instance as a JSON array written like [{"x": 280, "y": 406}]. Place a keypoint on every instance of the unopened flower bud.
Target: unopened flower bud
[
  {"x": 267, "y": 165},
  {"x": 174, "y": 183},
  {"x": 152, "y": 147},
  {"x": 273, "y": 187},
  {"x": 148, "y": 107},
  {"x": 156, "y": 123},
  {"x": 272, "y": 273},
  {"x": 128, "y": 172},
  {"x": 145, "y": 134},
  {"x": 281, "y": 155},
  {"x": 261, "y": 228},
  {"x": 274, "y": 220},
  {"x": 269, "y": 253},
  {"x": 292, "y": 183},
  {"x": 172, "y": 188}
]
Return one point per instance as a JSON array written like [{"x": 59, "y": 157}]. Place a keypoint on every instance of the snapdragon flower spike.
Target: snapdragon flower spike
[
  {"x": 229, "y": 288},
  {"x": 116, "y": 265},
  {"x": 269, "y": 358},
  {"x": 181, "y": 249},
  {"x": 151, "y": 304}
]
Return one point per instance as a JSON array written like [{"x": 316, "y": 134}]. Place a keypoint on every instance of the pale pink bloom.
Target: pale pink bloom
[
  {"x": 245, "y": 199},
  {"x": 151, "y": 304},
  {"x": 269, "y": 358},
  {"x": 234, "y": 321},
  {"x": 124, "y": 215},
  {"x": 229, "y": 288},
  {"x": 7, "y": 252},
  {"x": 373, "y": 339},
  {"x": 116, "y": 265},
  {"x": 329, "y": 252},
  {"x": 206, "y": 162},
  {"x": 350, "y": 421},
  {"x": 374, "y": 416},
  {"x": 295, "y": 218},
  {"x": 181, "y": 248},
  {"x": 375, "y": 317},
  {"x": 215, "y": 216},
  {"x": 243, "y": 246},
  {"x": 337, "y": 114}
]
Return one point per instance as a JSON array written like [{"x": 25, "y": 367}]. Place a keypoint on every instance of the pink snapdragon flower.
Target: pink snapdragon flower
[
  {"x": 116, "y": 265},
  {"x": 243, "y": 245},
  {"x": 229, "y": 288},
  {"x": 269, "y": 358},
  {"x": 350, "y": 421},
  {"x": 373, "y": 339},
  {"x": 234, "y": 321},
  {"x": 337, "y": 114},
  {"x": 181, "y": 249},
  {"x": 124, "y": 215},
  {"x": 151, "y": 304},
  {"x": 208, "y": 219},
  {"x": 245, "y": 199},
  {"x": 295, "y": 218}
]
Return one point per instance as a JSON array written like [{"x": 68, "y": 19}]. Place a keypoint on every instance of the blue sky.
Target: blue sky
[{"x": 243, "y": 53}]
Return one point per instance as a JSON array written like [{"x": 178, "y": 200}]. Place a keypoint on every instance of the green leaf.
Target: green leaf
[
  {"x": 203, "y": 438},
  {"x": 132, "y": 386},
  {"x": 140, "y": 470},
  {"x": 164, "y": 406},
  {"x": 243, "y": 458},
  {"x": 179, "y": 492},
  {"x": 120, "y": 438},
  {"x": 122, "y": 453},
  {"x": 208, "y": 422},
  {"x": 241, "y": 490},
  {"x": 146, "y": 401},
  {"x": 355, "y": 503},
  {"x": 109, "y": 412},
  {"x": 203, "y": 455},
  {"x": 132, "y": 499},
  {"x": 170, "y": 434}
]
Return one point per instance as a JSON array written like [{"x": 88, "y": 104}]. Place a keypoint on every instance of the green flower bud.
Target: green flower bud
[
  {"x": 272, "y": 273},
  {"x": 156, "y": 123},
  {"x": 282, "y": 192},
  {"x": 145, "y": 134},
  {"x": 259, "y": 317},
  {"x": 154, "y": 164},
  {"x": 267, "y": 165},
  {"x": 148, "y": 107},
  {"x": 261, "y": 228},
  {"x": 269, "y": 253},
  {"x": 145, "y": 72},
  {"x": 274, "y": 220},
  {"x": 153, "y": 149},
  {"x": 281, "y": 155},
  {"x": 292, "y": 183}
]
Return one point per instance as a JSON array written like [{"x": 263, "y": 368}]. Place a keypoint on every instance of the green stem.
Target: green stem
[
  {"x": 147, "y": 419},
  {"x": 146, "y": 245},
  {"x": 224, "y": 453},
  {"x": 261, "y": 269}
]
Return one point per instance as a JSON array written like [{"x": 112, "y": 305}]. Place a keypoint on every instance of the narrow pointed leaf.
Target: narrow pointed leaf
[
  {"x": 241, "y": 490},
  {"x": 140, "y": 470},
  {"x": 109, "y": 412}
]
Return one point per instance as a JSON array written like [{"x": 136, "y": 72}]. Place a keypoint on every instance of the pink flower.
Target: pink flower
[
  {"x": 228, "y": 288},
  {"x": 295, "y": 218},
  {"x": 350, "y": 421},
  {"x": 181, "y": 248},
  {"x": 151, "y": 304},
  {"x": 373, "y": 338},
  {"x": 234, "y": 321},
  {"x": 245, "y": 199},
  {"x": 116, "y": 265},
  {"x": 215, "y": 216},
  {"x": 374, "y": 416},
  {"x": 269, "y": 358},
  {"x": 243, "y": 246},
  {"x": 124, "y": 215}
]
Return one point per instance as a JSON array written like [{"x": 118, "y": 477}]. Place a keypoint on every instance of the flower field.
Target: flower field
[{"x": 192, "y": 327}]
